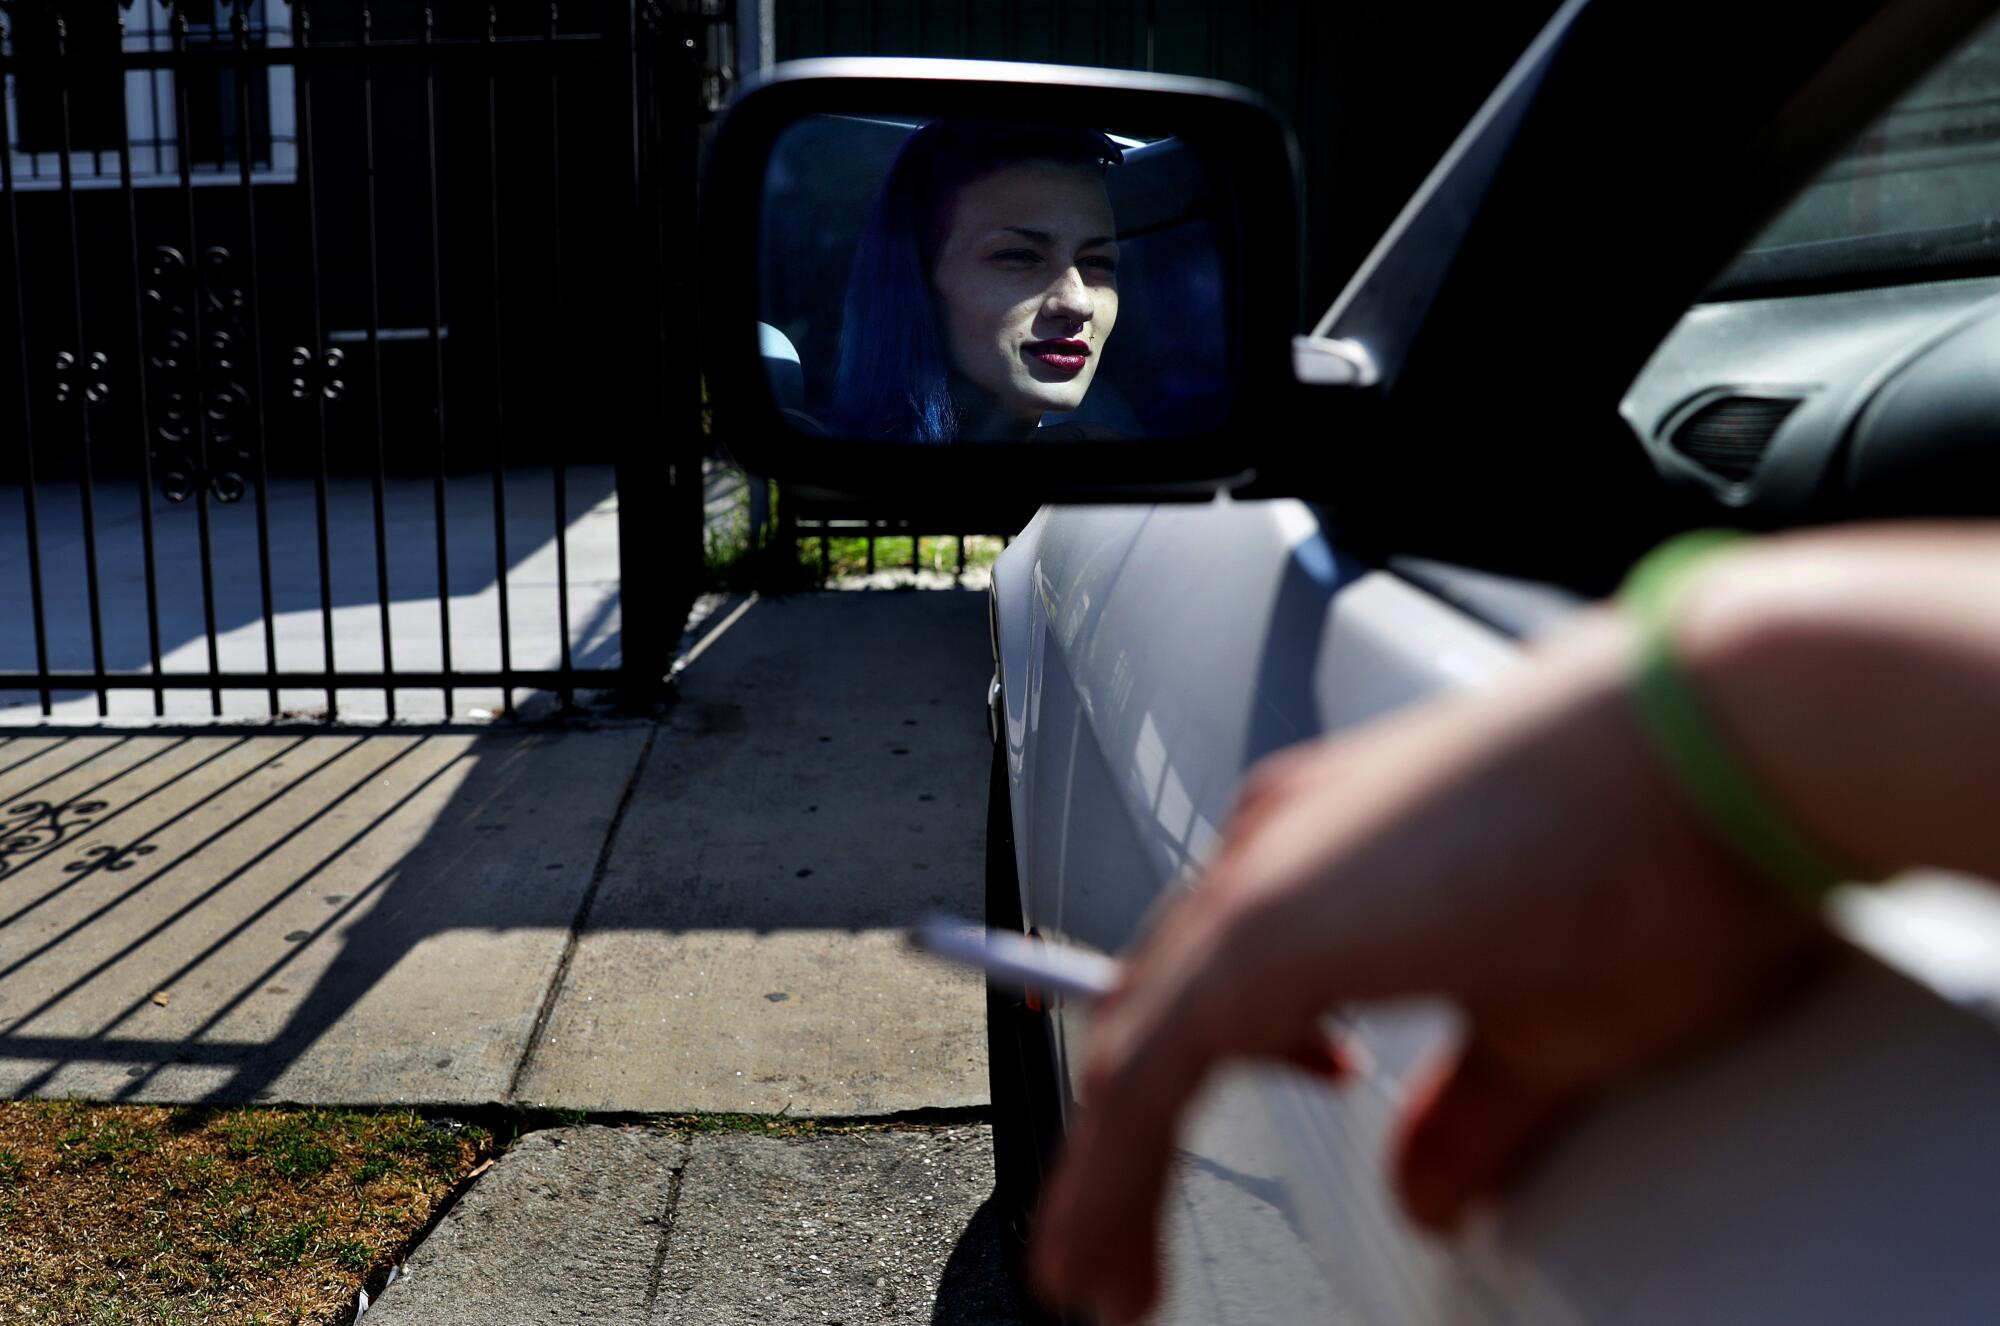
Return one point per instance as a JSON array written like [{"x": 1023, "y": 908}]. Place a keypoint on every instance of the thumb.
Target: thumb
[{"x": 1468, "y": 1131}]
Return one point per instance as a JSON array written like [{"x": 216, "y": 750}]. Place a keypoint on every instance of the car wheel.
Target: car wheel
[{"x": 1020, "y": 1050}]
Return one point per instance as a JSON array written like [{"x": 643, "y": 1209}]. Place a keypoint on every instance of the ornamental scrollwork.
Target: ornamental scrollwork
[{"x": 200, "y": 396}]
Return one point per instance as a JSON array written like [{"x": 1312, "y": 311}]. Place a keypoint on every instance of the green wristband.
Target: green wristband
[{"x": 1725, "y": 795}]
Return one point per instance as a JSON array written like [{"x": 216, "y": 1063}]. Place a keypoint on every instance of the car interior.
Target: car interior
[{"x": 1165, "y": 369}]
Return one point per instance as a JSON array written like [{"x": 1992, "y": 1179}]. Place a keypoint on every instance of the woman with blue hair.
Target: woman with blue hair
[{"x": 984, "y": 286}]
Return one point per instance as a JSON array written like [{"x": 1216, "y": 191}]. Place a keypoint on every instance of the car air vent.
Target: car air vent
[{"x": 1727, "y": 436}]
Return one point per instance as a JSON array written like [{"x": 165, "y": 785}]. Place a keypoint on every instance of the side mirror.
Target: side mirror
[{"x": 972, "y": 285}]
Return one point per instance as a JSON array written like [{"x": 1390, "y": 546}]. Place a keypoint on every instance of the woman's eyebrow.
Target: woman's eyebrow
[{"x": 1047, "y": 240}]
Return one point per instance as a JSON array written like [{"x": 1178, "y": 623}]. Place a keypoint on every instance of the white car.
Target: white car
[{"x": 1537, "y": 374}]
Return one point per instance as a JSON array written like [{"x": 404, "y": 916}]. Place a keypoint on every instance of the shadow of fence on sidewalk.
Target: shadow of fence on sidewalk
[
  {"x": 260, "y": 900},
  {"x": 367, "y": 916}
]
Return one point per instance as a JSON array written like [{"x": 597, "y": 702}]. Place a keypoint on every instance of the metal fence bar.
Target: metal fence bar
[
  {"x": 240, "y": 21},
  {"x": 567, "y": 695},
  {"x": 84, "y": 680},
  {"x": 317, "y": 364},
  {"x": 502, "y": 51},
  {"x": 191, "y": 310},
  {"x": 192, "y": 375},
  {"x": 82, "y": 384},
  {"x": 499, "y": 366},
  {"x": 432, "y": 203},
  {"x": 28, "y": 497},
  {"x": 381, "y": 479},
  {"x": 139, "y": 378}
]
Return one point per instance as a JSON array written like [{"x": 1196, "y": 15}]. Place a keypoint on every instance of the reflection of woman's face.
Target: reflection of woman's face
[{"x": 1026, "y": 279}]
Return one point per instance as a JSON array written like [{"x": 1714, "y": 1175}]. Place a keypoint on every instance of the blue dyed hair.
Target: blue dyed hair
[{"x": 894, "y": 378}]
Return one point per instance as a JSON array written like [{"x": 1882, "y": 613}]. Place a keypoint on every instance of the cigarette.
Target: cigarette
[{"x": 1019, "y": 962}]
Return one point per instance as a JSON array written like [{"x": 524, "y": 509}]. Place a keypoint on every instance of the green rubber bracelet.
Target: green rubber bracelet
[{"x": 1727, "y": 797}]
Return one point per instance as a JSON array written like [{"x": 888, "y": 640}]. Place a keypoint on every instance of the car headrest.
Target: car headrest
[{"x": 782, "y": 367}]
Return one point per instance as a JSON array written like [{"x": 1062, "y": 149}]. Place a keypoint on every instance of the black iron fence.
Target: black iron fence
[{"x": 371, "y": 277}]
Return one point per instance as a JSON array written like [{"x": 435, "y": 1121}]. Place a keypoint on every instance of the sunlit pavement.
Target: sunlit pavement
[{"x": 702, "y": 914}]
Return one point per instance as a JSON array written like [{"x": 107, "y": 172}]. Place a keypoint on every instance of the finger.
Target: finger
[
  {"x": 1151, "y": 1047},
  {"x": 1096, "y": 1236},
  {"x": 1468, "y": 1131},
  {"x": 1322, "y": 1056},
  {"x": 1272, "y": 782}
]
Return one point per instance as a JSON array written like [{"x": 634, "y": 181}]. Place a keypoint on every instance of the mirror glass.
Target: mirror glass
[{"x": 956, "y": 280}]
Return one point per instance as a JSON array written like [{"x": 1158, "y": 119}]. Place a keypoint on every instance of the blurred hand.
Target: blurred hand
[{"x": 1518, "y": 851}]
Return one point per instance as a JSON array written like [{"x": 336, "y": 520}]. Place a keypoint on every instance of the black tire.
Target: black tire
[{"x": 1020, "y": 1051}]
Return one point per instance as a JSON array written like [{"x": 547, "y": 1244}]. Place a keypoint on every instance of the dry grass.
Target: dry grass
[{"x": 131, "y": 1214}]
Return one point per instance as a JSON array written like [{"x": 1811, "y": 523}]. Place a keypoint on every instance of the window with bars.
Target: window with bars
[{"x": 136, "y": 109}]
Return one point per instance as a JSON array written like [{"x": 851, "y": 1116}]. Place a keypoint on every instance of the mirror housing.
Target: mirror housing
[{"x": 1250, "y": 164}]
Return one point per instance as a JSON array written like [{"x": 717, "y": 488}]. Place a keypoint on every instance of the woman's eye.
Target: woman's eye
[
  {"x": 1104, "y": 266},
  {"x": 1017, "y": 257}
]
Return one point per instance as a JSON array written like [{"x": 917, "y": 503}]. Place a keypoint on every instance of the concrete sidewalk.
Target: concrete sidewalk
[
  {"x": 698, "y": 915},
  {"x": 580, "y": 1226}
]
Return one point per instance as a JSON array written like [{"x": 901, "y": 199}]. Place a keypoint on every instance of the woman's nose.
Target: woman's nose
[{"x": 1069, "y": 298}]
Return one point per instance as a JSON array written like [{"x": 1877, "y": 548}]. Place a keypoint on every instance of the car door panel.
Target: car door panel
[
  {"x": 1171, "y": 650},
  {"x": 1128, "y": 729}
]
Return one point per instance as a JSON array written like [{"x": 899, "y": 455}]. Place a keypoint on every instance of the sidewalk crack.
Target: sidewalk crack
[
  {"x": 667, "y": 1227},
  {"x": 581, "y": 919}
]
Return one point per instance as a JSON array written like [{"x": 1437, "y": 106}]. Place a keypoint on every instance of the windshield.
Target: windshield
[{"x": 1916, "y": 196}]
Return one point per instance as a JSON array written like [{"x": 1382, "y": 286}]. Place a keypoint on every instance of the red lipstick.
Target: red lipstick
[{"x": 1064, "y": 356}]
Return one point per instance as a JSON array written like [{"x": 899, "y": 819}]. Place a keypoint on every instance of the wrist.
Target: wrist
[
  {"x": 1807, "y": 696},
  {"x": 1711, "y": 665}
]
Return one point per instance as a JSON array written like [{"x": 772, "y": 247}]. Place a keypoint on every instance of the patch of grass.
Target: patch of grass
[
  {"x": 730, "y": 562},
  {"x": 289, "y": 1246},
  {"x": 725, "y": 538},
  {"x": 295, "y": 1146},
  {"x": 112, "y": 1141},
  {"x": 145, "y": 1215},
  {"x": 779, "y": 1124},
  {"x": 849, "y": 556},
  {"x": 412, "y": 1141}
]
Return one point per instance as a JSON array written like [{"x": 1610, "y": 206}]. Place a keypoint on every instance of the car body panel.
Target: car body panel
[
  {"x": 1147, "y": 658},
  {"x": 1127, "y": 728}
]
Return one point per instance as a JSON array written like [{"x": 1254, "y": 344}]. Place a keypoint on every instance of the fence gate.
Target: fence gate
[{"x": 346, "y": 350}]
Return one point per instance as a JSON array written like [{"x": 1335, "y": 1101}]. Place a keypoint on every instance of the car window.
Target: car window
[{"x": 1915, "y": 196}]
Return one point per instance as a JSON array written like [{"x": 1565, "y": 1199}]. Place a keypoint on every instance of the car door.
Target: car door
[{"x": 1149, "y": 656}]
